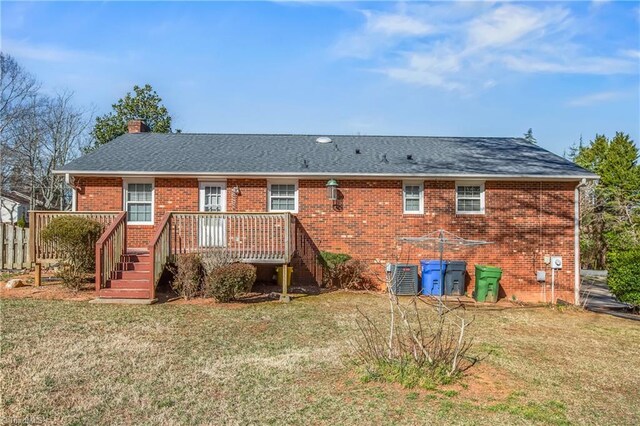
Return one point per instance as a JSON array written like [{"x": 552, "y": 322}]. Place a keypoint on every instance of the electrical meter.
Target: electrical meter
[{"x": 556, "y": 262}]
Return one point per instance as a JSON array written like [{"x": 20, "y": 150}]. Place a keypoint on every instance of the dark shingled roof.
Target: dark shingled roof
[{"x": 300, "y": 154}]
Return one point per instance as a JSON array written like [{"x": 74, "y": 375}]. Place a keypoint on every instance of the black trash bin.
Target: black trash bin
[{"x": 455, "y": 278}]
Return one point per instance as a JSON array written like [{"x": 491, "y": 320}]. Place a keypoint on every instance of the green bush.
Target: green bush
[
  {"x": 74, "y": 237},
  {"x": 188, "y": 275},
  {"x": 227, "y": 282},
  {"x": 331, "y": 260},
  {"x": 624, "y": 275},
  {"x": 21, "y": 223}
]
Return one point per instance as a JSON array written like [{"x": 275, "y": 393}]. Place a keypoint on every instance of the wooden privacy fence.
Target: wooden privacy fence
[
  {"x": 41, "y": 252},
  {"x": 14, "y": 247}
]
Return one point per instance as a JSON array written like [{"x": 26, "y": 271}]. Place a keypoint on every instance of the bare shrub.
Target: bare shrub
[
  {"x": 215, "y": 258},
  {"x": 188, "y": 275},
  {"x": 71, "y": 278},
  {"x": 227, "y": 282},
  {"x": 351, "y": 275},
  {"x": 343, "y": 272},
  {"x": 417, "y": 346}
]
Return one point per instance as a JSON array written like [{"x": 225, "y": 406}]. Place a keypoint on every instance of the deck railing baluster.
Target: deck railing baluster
[{"x": 247, "y": 237}]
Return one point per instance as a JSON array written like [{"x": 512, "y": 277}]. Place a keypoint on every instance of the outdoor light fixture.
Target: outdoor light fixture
[{"x": 332, "y": 189}]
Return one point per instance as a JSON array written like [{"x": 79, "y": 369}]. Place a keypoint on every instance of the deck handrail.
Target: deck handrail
[
  {"x": 110, "y": 248},
  {"x": 41, "y": 252},
  {"x": 159, "y": 251}
]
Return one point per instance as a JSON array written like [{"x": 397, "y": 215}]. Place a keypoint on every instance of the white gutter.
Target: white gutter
[
  {"x": 576, "y": 242},
  {"x": 328, "y": 175}
]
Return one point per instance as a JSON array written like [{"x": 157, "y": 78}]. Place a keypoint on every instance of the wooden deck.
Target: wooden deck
[{"x": 259, "y": 238}]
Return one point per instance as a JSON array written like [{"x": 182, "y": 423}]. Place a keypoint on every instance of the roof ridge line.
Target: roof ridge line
[{"x": 331, "y": 134}]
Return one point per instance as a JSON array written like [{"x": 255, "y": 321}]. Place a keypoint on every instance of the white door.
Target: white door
[{"x": 212, "y": 229}]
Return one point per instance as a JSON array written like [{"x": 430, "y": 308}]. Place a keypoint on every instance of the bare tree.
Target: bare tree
[
  {"x": 17, "y": 86},
  {"x": 49, "y": 136},
  {"x": 17, "y": 89},
  {"x": 24, "y": 138},
  {"x": 64, "y": 129},
  {"x": 39, "y": 134}
]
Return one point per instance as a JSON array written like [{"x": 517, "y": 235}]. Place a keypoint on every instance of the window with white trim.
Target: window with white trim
[
  {"x": 469, "y": 198},
  {"x": 413, "y": 197},
  {"x": 283, "y": 197},
  {"x": 138, "y": 199}
]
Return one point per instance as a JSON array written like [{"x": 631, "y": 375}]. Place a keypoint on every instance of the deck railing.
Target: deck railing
[
  {"x": 109, "y": 250},
  {"x": 243, "y": 237},
  {"x": 41, "y": 252},
  {"x": 160, "y": 251}
]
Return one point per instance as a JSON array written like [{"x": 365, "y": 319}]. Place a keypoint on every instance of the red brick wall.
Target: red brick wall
[
  {"x": 523, "y": 220},
  {"x": 99, "y": 194},
  {"x": 170, "y": 195},
  {"x": 252, "y": 196}
]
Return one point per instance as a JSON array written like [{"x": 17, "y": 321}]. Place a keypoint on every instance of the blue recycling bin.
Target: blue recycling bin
[{"x": 432, "y": 277}]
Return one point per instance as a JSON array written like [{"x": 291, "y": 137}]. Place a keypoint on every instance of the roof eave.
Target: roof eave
[{"x": 447, "y": 176}]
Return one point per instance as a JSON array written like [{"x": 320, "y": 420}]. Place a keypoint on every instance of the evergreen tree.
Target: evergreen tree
[
  {"x": 611, "y": 211},
  {"x": 144, "y": 104}
]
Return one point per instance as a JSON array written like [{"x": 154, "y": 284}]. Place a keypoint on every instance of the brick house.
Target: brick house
[{"x": 349, "y": 194}]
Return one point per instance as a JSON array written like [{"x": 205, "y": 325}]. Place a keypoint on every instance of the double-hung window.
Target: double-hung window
[
  {"x": 469, "y": 198},
  {"x": 413, "y": 197},
  {"x": 283, "y": 196},
  {"x": 138, "y": 199}
]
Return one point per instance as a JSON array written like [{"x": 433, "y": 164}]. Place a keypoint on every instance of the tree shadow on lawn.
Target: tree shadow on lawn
[{"x": 261, "y": 292}]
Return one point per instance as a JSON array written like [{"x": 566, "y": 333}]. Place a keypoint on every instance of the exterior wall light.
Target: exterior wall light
[{"x": 332, "y": 189}]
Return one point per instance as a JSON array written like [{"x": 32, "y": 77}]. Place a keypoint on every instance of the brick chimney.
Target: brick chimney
[{"x": 137, "y": 126}]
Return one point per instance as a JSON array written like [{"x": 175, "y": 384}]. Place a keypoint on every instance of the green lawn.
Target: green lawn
[{"x": 76, "y": 363}]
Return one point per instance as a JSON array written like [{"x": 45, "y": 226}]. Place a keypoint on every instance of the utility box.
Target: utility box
[
  {"x": 556, "y": 262},
  {"x": 455, "y": 278},
  {"x": 404, "y": 279}
]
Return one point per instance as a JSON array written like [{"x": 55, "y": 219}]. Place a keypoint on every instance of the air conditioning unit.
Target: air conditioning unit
[{"x": 404, "y": 279}]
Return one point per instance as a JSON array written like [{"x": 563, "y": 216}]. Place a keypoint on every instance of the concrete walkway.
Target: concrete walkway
[{"x": 596, "y": 297}]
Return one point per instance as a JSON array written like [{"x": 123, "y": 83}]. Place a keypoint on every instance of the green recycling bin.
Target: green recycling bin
[{"x": 487, "y": 283}]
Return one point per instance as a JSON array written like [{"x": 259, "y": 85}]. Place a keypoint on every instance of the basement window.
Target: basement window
[
  {"x": 283, "y": 196},
  {"x": 413, "y": 197},
  {"x": 469, "y": 197},
  {"x": 138, "y": 199}
]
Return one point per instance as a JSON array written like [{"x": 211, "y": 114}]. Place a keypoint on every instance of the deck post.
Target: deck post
[
  {"x": 284, "y": 296},
  {"x": 38, "y": 275}
]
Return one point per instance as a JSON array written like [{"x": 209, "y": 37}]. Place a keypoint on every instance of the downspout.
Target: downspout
[
  {"x": 68, "y": 179},
  {"x": 576, "y": 242}
]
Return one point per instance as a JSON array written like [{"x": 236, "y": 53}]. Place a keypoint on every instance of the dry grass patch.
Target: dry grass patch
[{"x": 75, "y": 363}]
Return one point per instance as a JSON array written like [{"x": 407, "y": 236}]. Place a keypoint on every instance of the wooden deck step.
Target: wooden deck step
[
  {"x": 135, "y": 274},
  {"x": 132, "y": 284},
  {"x": 134, "y": 266},
  {"x": 135, "y": 258},
  {"x": 132, "y": 278},
  {"x": 124, "y": 293}
]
